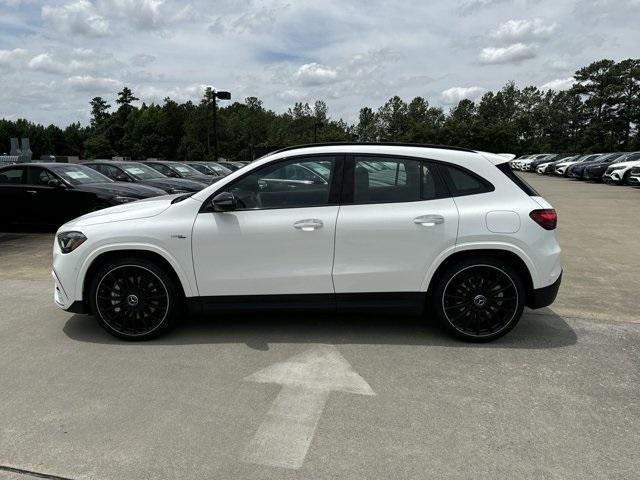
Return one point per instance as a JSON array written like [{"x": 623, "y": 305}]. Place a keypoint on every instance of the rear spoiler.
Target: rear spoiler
[{"x": 497, "y": 158}]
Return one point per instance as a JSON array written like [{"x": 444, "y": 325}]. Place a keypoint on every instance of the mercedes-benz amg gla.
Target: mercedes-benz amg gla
[{"x": 437, "y": 231}]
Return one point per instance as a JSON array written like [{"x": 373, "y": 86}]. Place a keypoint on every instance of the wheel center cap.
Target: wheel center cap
[
  {"x": 480, "y": 300},
  {"x": 132, "y": 300}
]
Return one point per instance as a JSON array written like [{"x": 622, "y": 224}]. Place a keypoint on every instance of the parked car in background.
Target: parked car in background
[
  {"x": 515, "y": 163},
  {"x": 562, "y": 167},
  {"x": 211, "y": 169},
  {"x": 596, "y": 170},
  {"x": 548, "y": 167},
  {"x": 139, "y": 173},
  {"x": 577, "y": 170},
  {"x": 552, "y": 157},
  {"x": 524, "y": 163},
  {"x": 49, "y": 194},
  {"x": 178, "y": 170},
  {"x": 619, "y": 172},
  {"x": 233, "y": 166}
]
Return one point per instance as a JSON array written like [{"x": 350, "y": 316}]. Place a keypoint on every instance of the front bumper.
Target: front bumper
[
  {"x": 545, "y": 296},
  {"x": 61, "y": 298}
]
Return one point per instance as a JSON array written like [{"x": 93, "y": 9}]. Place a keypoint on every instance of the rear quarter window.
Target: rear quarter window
[
  {"x": 524, "y": 186},
  {"x": 462, "y": 182}
]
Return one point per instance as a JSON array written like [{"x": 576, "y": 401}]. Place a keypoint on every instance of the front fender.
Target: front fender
[{"x": 188, "y": 285}]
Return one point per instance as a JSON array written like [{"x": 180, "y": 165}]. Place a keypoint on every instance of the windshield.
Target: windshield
[
  {"x": 184, "y": 169},
  {"x": 141, "y": 172},
  {"x": 202, "y": 168},
  {"x": 79, "y": 174}
]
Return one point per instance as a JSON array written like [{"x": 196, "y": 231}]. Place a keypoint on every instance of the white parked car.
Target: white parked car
[
  {"x": 619, "y": 173},
  {"x": 443, "y": 231}
]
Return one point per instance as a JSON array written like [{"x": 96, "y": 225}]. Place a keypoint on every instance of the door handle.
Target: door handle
[
  {"x": 32, "y": 192},
  {"x": 428, "y": 220},
  {"x": 308, "y": 225}
]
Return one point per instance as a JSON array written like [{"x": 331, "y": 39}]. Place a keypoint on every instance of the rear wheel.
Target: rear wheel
[
  {"x": 133, "y": 299},
  {"x": 479, "y": 300}
]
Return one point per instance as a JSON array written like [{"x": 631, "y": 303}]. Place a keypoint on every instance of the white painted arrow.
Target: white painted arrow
[{"x": 283, "y": 438}]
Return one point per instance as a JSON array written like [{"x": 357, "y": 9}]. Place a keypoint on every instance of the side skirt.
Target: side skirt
[{"x": 411, "y": 303}]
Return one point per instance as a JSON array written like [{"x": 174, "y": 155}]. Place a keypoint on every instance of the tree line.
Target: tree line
[{"x": 600, "y": 112}]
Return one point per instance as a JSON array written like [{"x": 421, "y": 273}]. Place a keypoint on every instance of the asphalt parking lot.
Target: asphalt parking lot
[{"x": 382, "y": 397}]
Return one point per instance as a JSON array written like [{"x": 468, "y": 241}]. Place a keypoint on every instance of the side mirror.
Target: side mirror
[
  {"x": 121, "y": 177},
  {"x": 54, "y": 182},
  {"x": 224, "y": 202}
]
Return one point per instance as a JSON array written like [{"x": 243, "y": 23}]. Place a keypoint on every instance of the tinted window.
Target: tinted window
[
  {"x": 202, "y": 168},
  {"x": 524, "y": 186},
  {"x": 462, "y": 182},
  {"x": 390, "y": 180},
  {"x": 288, "y": 184},
  {"x": 11, "y": 175},
  {"x": 38, "y": 176},
  {"x": 164, "y": 169}
]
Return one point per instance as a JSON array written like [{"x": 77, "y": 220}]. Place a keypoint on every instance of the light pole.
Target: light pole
[{"x": 221, "y": 96}]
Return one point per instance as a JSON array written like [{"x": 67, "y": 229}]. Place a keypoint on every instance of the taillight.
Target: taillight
[{"x": 547, "y": 218}]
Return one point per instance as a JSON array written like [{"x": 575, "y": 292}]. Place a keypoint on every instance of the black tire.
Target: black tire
[
  {"x": 134, "y": 299},
  {"x": 480, "y": 299},
  {"x": 625, "y": 178}
]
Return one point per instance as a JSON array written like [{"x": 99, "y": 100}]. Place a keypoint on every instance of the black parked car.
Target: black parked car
[
  {"x": 595, "y": 171},
  {"x": 142, "y": 174},
  {"x": 179, "y": 170},
  {"x": 577, "y": 170},
  {"x": 211, "y": 169},
  {"x": 50, "y": 194}
]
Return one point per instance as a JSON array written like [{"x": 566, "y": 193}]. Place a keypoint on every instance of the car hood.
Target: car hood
[
  {"x": 123, "y": 189},
  {"x": 128, "y": 211},
  {"x": 207, "y": 180},
  {"x": 178, "y": 183},
  {"x": 633, "y": 163}
]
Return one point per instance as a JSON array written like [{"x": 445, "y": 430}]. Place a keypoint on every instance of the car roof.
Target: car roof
[{"x": 415, "y": 150}]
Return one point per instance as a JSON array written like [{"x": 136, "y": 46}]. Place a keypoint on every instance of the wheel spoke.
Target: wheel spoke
[{"x": 480, "y": 300}]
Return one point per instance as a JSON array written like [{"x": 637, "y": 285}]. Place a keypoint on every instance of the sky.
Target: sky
[{"x": 55, "y": 55}]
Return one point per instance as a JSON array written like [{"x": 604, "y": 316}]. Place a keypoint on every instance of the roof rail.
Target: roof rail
[{"x": 390, "y": 144}]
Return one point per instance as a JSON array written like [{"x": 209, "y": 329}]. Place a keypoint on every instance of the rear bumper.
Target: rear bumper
[{"x": 543, "y": 297}]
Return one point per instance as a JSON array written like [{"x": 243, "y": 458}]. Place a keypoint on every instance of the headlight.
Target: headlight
[
  {"x": 124, "y": 199},
  {"x": 177, "y": 190},
  {"x": 69, "y": 241}
]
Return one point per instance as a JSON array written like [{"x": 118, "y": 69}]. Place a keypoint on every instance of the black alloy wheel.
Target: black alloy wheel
[
  {"x": 480, "y": 301},
  {"x": 133, "y": 299}
]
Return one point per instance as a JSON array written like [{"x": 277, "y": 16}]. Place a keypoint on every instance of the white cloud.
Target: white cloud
[
  {"x": 453, "y": 95},
  {"x": 142, "y": 59},
  {"x": 76, "y": 17},
  {"x": 559, "y": 84},
  {"x": 87, "y": 83},
  {"x": 45, "y": 63},
  {"x": 523, "y": 30},
  {"x": 10, "y": 58},
  {"x": 253, "y": 21},
  {"x": 512, "y": 53},
  {"x": 316, "y": 74}
]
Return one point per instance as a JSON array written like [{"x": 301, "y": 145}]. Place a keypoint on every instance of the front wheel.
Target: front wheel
[
  {"x": 479, "y": 300},
  {"x": 133, "y": 299}
]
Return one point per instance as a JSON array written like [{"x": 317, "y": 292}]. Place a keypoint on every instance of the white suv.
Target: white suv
[{"x": 349, "y": 227}]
